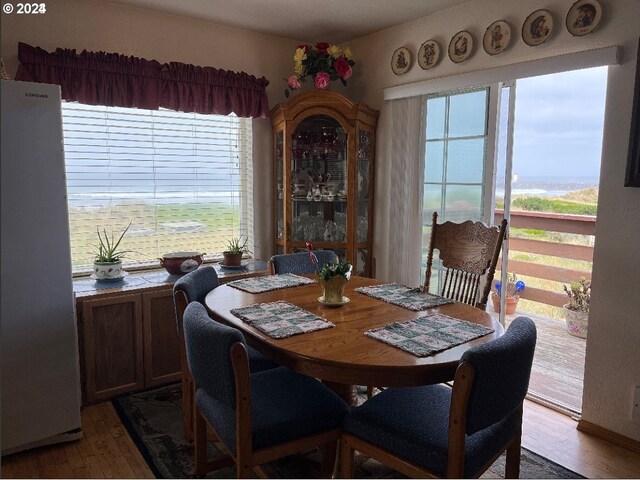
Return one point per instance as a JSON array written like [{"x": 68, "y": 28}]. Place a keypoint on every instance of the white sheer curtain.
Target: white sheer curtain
[{"x": 401, "y": 170}]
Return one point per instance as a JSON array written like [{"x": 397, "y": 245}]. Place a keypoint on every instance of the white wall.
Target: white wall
[{"x": 613, "y": 348}]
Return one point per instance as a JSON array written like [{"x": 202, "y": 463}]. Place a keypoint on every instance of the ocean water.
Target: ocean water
[
  {"x": 543, "y": 186},
  {"x": 536, "y": 186},
  {"x": 88, "y": 200}
]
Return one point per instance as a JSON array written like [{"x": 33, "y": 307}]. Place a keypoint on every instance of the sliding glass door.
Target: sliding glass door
[{"x": 459, "y": 168}]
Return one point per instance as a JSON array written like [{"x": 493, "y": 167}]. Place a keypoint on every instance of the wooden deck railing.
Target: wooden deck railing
[{"x": 551, "y": 222}]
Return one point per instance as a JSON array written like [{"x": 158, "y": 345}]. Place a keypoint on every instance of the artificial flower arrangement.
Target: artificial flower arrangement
[
  {"x": 323, "y": 62},
  {"x": 514, "y": 286}
]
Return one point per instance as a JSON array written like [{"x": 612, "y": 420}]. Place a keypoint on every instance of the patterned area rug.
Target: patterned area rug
[{"x": 154, "y": 421}]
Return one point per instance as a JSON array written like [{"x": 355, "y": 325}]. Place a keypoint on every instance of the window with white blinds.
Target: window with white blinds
[{"x": 183, "y": 180}]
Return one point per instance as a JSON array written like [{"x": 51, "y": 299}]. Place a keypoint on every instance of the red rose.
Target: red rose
[
  {"x": 322, "y": 47},
  {"x": 305, "y": 47},
  {"x": 342, "y": 67}
]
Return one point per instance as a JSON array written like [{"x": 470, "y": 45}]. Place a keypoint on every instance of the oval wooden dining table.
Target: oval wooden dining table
[{"x": 343, "y": 356}]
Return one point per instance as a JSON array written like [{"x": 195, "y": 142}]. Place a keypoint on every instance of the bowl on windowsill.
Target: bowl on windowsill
[{"x": 179, "y": 263}]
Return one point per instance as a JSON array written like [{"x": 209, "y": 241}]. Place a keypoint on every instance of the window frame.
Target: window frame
[{"x": 242, "y": 156}]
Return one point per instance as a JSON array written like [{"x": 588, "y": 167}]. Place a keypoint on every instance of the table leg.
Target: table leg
[{"x": 344, "y": 391}]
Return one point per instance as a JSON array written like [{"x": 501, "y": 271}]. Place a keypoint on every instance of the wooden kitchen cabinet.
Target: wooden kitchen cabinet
[
  {"x": 128, "y": 343},
  {"x": 127, "y": 334},
  {"x": 161, "y": 342},
  {"x": 112, "y": 344}
]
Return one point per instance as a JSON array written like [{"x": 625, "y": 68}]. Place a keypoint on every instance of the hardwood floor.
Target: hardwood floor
[
  {"x": 107, "y": 451},
  {"x": 554, "y": 436}
]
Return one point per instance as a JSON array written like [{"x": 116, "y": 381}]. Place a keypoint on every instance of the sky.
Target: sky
[{"x": 558, "y": 124}]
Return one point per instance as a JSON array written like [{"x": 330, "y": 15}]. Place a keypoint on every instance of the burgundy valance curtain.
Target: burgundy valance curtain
[{"x": 100, "y": 78}]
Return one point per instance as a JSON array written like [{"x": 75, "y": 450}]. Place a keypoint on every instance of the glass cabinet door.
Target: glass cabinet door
[
  {"x": 279, "y": 147},
  {"x": 319, "y": 181},
  {"x": 324, "y": 147},
  {"x": 363, "y": 170}
]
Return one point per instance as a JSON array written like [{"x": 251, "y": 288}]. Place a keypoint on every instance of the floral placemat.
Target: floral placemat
[
  {"x": 270, "y": 282},
  {"x": 281, "y": 319},
  {"x": 428, "y": 334},
  {"x": 406, "y": 297}
]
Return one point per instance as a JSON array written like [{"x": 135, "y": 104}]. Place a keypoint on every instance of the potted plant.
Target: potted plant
[
  {"x": 107, "y": 260},
  {"x": 514, "y": 286},
  {"x": 233, "y": 254},
  {"x": 576, "y": 312},
  {"x": 332, "y": 278}
]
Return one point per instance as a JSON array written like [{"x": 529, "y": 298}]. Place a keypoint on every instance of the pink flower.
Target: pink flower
[
  {"x": 294, "y": 84},
  {"x": 342, "y": 68},
  {"x": 322, "y": 80}
]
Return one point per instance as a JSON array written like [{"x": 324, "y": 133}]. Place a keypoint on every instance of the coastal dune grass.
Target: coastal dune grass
[{"x": 155, "y": 230}]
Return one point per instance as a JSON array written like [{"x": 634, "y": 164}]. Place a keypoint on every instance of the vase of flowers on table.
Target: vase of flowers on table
[
  {"x": 332, "y": 278},
  {"x": 322, "y": 62}
]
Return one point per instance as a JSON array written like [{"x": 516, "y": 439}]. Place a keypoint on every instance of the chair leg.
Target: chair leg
[
  {"x": 243, "y": 470},
  {"x": 346, "y": 458},
  {"x": 200, "y": 442},
  {"x": 329, "y": 454},
  {"x": 512, "y": 464},
  {"x": 187, "y": 406}
]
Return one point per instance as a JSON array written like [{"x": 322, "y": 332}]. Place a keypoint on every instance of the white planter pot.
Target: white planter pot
[
  {"x": 107, "y": 270},
  {"x": 576, "y": 322}
]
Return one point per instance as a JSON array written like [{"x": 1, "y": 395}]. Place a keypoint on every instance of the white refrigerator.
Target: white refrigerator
[{"x": 38, "y": 337}]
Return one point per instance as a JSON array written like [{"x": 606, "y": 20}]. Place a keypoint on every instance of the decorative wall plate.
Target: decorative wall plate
[
  {"x": 583, "y": 17},
  {"x": 537, "y": 27},
  {"x": 401, "y": 61},
  {"x": 497, "y": 37},
  {"x": 460, "y": 46},
  {"x": 429, "y": 54}
]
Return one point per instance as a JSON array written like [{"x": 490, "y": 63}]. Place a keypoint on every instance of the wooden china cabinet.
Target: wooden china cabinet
[{"x": 324, "y": 176}]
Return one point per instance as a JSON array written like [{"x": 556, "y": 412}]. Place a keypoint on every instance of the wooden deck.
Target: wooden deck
[{"x": 558, "y": 365}]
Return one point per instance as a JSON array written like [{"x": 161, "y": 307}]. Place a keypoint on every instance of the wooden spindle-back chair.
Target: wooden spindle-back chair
[{"x": 469, "y": 252}]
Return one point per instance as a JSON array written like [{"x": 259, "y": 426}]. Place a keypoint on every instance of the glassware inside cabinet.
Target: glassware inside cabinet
[
  {"x": 363, "y": 169},
  {"x": 319, "y": 180},
  {"x": 279, "y": 185}
]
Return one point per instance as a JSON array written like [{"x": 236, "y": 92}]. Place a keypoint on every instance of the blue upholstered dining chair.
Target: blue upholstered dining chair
[
  {"x": 258, "y": 417},
  {"x": 193, "y": 287},
  {"x": 300, "y": 262},
  {"x": 454, "y": 432}
]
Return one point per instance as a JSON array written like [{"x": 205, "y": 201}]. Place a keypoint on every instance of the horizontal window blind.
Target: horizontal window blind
[{"x": 183, "y": 180}]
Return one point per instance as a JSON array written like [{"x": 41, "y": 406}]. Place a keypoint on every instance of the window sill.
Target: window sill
[{"x": 158, "y": 278}]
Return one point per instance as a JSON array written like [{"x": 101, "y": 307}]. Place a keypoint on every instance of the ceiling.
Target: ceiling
[{"x": 333, "y": 21}]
